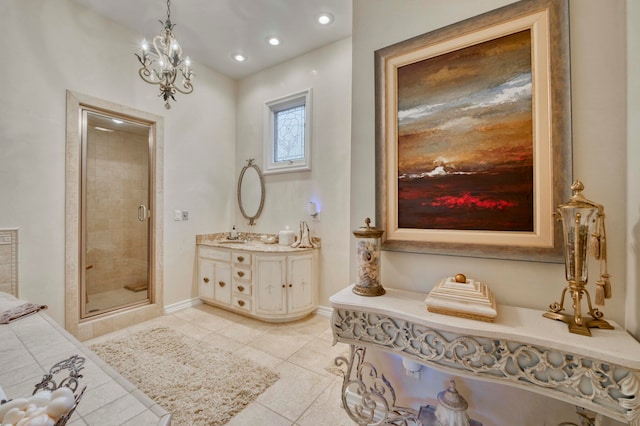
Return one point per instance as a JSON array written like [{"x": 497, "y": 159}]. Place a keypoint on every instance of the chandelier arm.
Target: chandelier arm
[
  {"x": 145, "y": 74},
  {"x": 170, "y": 79},
  {"x": 187, "y": 86}
]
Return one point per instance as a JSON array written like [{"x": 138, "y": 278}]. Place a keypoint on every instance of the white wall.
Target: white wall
[
  {"x": 328, "y": 72},
  {"x": 54, "y": 46},
  {"x": 599, "y": 143},
  {"x": 633, "y": 168}
]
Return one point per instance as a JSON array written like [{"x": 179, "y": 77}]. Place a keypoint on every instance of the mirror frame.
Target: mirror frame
[{"x": 251, "y": 165}]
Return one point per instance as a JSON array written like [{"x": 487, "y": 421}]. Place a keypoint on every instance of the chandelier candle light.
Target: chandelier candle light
[
  {"x": 584, "y": 232},
  {"x": 162, "y": 64}
]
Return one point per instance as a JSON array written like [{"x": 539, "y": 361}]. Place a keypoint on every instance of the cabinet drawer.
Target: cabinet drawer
[
  {"x": 214, "y": 253},
  {"x": 243, "y": 303},
  {"x": 242, "y": 288},
  {"x": 242, "y": 272},
  {"x": 241, "y": 258}
]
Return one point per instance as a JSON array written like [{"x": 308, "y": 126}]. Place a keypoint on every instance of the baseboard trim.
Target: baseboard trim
[
  {"x": 175, "y": 307},
  {"x": 324, "y": 311}
]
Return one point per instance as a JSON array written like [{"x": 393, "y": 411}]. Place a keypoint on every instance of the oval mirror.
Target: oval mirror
[{"x": 251, "y": 192}]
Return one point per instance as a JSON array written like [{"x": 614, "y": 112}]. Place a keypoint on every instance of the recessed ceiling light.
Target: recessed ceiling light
[
  {"x": 273, "y": 40},
  {"x": 239, "y": 57},
  {"x": 117, "y": 121},
  {"x": 325, "y": 18}
]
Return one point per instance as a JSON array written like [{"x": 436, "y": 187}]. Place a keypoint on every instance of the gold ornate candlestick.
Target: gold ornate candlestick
[{"x": 584, "y": 231}]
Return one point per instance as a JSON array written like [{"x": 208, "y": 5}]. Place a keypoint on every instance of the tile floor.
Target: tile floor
[{"x": 306, "y": 394}]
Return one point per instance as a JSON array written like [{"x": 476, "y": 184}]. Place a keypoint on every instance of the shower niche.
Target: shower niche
[{"x": 114, "y": 230}]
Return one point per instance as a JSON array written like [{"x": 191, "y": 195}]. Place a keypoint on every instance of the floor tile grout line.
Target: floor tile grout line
[
  {"x": 302, "y": 366},
  {"x": 314, "y": 401},
  {"x": 273, "y": 411}
]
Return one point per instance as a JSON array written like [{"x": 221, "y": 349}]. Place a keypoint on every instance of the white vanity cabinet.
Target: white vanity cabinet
[
  {"x": 269, "y": 282},
  {"x": 214, "y": 275},
  {"x": 271, "y": 273},
  {"x": 302, "y": 290},
  {"x": 285, "y": 284}
]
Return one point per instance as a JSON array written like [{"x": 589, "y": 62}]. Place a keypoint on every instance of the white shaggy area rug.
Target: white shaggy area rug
[{"x": 199, "y": 386}]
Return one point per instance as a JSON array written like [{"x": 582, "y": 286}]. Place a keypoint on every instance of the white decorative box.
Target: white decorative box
[{"x": 462, "y": 297}]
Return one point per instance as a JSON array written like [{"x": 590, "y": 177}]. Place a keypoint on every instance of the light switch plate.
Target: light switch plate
[{"x": 177, "y": 215}]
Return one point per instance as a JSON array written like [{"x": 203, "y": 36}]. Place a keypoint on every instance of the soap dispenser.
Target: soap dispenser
[{"x": 234, "y": 233}]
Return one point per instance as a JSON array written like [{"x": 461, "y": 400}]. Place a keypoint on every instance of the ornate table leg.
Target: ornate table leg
[{"x": 367, "y": 398}]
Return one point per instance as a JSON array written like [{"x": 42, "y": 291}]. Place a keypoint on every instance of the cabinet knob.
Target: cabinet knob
[
  {"x": 240, "y": 273},
  {"x": 240, "y": 258},
  {"x": 221, "y": 283},
  {"x": 290, "y": 285},
  {"x": 240, "y": 288},
  {"x": 205, "y": 279},
  {"x": 241, "y": 302},
  {"x": 283, "y": 286}
]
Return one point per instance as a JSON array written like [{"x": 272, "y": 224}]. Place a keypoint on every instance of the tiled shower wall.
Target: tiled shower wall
[
  {"x": 117, "y": 183},
  {"x": 9, "y": 261}
]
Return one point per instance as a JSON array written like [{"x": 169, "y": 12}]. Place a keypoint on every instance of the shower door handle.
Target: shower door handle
[{"x": 142, "y": 212}]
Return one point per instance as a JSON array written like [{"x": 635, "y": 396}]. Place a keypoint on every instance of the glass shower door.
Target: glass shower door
[{"x": 115, "y": 215}]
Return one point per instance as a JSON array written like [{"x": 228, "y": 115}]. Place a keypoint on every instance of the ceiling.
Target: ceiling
[{"x": 210, "y": 31}]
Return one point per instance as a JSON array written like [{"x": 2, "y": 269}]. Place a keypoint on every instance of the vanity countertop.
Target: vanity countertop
[{"x": 249, "y": 242}]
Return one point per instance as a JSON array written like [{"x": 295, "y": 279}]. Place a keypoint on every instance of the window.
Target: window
[{"x": 287, "y": 134}]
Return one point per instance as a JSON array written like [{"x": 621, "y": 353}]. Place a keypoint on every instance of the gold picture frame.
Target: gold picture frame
[{"x": 473, "y": 135}]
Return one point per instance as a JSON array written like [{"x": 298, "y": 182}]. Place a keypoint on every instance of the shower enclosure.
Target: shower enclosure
[
  {"x": 113, "y": 226},
  {"x": 115, "y": 214}
]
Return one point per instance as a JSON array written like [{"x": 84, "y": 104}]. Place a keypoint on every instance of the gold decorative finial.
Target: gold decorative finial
[{"x": 577, "y": 186}]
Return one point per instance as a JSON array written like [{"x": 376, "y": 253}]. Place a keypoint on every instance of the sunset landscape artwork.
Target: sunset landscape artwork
[{"x": 465, "y": 138}]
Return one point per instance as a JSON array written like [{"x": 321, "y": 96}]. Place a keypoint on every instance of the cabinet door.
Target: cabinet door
[
  {"x": 300, "y": 288},
  {"x": 270, "y": 285},
  {"x": 222, "y": 283},
  {"x": 206, "y": 275}
]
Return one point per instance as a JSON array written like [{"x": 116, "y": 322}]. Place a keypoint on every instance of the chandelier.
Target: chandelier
[{"x": 162, "y": 64}]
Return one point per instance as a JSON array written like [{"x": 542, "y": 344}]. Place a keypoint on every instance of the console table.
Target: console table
[{"x": 600, "y": 373}]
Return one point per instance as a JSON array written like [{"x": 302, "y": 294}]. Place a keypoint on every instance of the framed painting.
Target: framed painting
[{"x": 473, "y": 135}]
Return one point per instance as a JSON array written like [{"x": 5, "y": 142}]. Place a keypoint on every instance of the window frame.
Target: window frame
[{"x": 271, "y": 108}]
